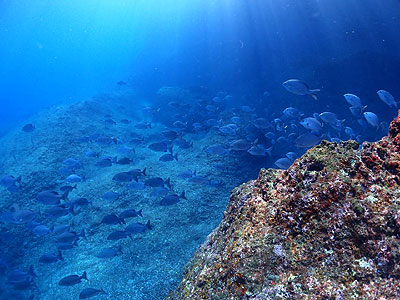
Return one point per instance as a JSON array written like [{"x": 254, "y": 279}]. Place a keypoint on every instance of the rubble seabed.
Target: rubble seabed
[{"x": 326, "y": 228}]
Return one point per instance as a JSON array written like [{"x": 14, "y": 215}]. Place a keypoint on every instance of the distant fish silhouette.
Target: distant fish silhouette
[{"x": 28, "y": 128}]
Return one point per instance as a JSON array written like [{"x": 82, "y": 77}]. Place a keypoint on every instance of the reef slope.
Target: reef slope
[{"x": 326, "y": 228}]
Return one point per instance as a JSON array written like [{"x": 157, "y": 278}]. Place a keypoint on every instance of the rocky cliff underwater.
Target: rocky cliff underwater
[{"x": 326, "y": 228}]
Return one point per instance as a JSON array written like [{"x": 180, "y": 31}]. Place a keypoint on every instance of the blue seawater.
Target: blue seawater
[{"x": 125, "y": 124}]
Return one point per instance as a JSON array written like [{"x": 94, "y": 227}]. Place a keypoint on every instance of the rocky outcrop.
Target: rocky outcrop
[{"x": 326, "y": 228}]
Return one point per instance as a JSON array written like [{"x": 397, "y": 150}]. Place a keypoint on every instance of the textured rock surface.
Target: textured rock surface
[{"x": 327, "y": 228}]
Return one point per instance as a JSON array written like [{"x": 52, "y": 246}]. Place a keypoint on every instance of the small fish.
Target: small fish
[
  {"x": 110, "y": 196},
  {"x": 197, "y": 179},
  {"x": 72, "y": 163},
  {"x": 172, "y": 199},
  {"x": 170, "y": 134},
  {"x": 230, "y": 129},
  {"x": 168, "y": 157},
  {"x": 143, "y": 125},
  {"x": 58, "y": 229},
  {"x": 240, "y": 145},
  {"x": 124, "y": 161},
  {"x": 247, "y": 109},
  {"x": 49, "y": 258},
  {"x": 283, "y": 163},
  {"x": 28, "y": 128},
  {"x": 67, "y": 188},
  {"x": 121, "y": 83},
  {"x": 138, "y": 227},
  {"x": 118, "y": 235},
  {"x": 125, "y": 121},
  {"x": 386, "y": 97},
  {"x": 130, "y": 213},
  {"x": 353, "y": 100},
  {"x": 217, "y": 149},
  {"x": 74, "y": 178},
  {"x": 90, "y": 292},
  {"x": 160, "y": 147},
  {"x": 159, "y": 191},
  {"x": 187, "y": 174},
  {"x": 123, "y": 149},
  {"x": 110, "y": 121},
  {"x": 312, "y": 124},
  {"x": 371, "y": 118},
  {"x": 307, "y": 140},
  {"x": 260, "y": 150},
  {"x": 157, "y": 181},
  {"x": 136, "y": 186},
  {"x": 72, "y": 279},
  {"x": 105, "y": 162},
  {"x": 112, "y": 220},
  {"x": 70, "y": 237},
  {"x": 109, "y": 252},
  {"x": 299, "y": 87},
  {"x": 123, "y": 177},
  {"x": 41, "y": 230},
  {"x": 10, "y": 182},
  {"x": 51, "y": 197}
]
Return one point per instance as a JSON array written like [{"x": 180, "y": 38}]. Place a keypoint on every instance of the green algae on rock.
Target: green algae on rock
[{"x": 326, "y": 228}]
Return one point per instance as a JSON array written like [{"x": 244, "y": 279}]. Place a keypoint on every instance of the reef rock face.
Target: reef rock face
[{"x": 326, "y": 228}]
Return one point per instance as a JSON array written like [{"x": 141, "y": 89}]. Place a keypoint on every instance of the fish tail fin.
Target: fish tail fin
[
  {"x": 148, "y": 225},
  {"x": 32, "y": 272},
  {"x": 119, "y": 250},
  {"x": 133, "y": 150},
  {"x": 121, "y": 221},
  {"x": 176, "y": 157},
  {"x": 18, "y": 179},
  {"x": 149, "y": 124},
  {"x": 170, "y": 149},
  {"x": 269, "y": 151},
  {"x": 140, "y": 213},
  {"x": 74, "y": 187},
  {"x": 168, "y": 182},
  {"x": 144, "y": 172},
  {"x": 82, "y": 234},
  {"x": 183, "y": 196},
  {"x": 65, "y": 196},
  {"x": 59, "y": 255},
  {"x": 84, "y": 276}
]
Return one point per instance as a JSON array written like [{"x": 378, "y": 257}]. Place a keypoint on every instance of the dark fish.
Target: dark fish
[
  {"x": 80, "y": 202},
  {"x": 118, "y": 235},
  {"x": 49, "y": 258},
  {"x": 105, "y": 162},
  {"x": 90, "y": 292},
  {"x": 18, "y": 276},
  {"x": 73, "y": 163},
  {"x": 110, "y": 196},
  {"x": 125, "y": 121},
  {"x": 138, "y": 227},
  {"x": 69, "y": 237},
  {"x": 137, "y": 172},
  {"x": 28, "y": 128},
  {"x": 130, "y": 213},
  {"x": 58, "y": 229},
  {"x": 65, "y": 245},
  {"x": 157, "y": 181},
  {"x": 67, "y": 188},
  {"x": 183, "y": 144},
  {"x": 72, "y": 279},
  {"x": 169, "y": 157},
  {"x": 109, "y": 252},
  {"x": 159, "y": 191},
  {"x": 172, "y": 199},
  {"x": 10, "y": 182},
  {"x": 41, "y": 230},
  {"x": 121, "y": 82},
  {"x": 21, "y": 216},
  {"x": 112, "y": 220},
  {"x": 92, "y": 153},
  {"x": 110, "y": 121},
  {"x": 170, "y": 134},
  {"x": 124, "y": 161},
  {"x": 123, "y": 177},
  {"x": 58, "y": 211},
  {"x": 160, "y": 147},
  {"x": 136, "y": 186},
  {"x": 187, "y": 174},
  {"x": 143, "y": 125},
  {"x": 197, "y": 179},
  {"x": 51, "y": 197}
]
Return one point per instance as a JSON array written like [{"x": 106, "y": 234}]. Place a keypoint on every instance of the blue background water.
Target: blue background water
[
  {"x": 63, "y": 52},
  {"x": 58, "y": 51}
]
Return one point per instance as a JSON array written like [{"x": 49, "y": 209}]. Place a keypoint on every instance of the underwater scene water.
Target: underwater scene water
[{"x": 124, "y": 125}]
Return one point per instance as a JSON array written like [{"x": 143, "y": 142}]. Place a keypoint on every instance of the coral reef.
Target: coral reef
[{"x": 326, "y": 228}]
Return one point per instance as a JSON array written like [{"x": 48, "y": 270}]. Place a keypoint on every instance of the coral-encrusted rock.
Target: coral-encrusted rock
[{"x": 327, "y": 228}]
